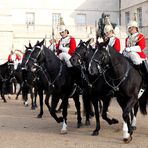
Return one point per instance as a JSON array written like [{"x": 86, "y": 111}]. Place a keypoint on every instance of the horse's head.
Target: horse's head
[
  {"x": 80, "y": 53},
  {"x": 26, "y": 56},
  {"x": 32, "y": 55},
  {"x": 99, "y": 61}
]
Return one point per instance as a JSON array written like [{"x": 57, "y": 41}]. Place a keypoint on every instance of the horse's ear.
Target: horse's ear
[
  {"x": 37, "y": 42},
  {"x": 30, "y": 46},
  {"x": 81, "y": 41},
  {"x": 88, "y": 41},
  {"x": 26, "y": 47},
  {"x": 42, "y": 42}
]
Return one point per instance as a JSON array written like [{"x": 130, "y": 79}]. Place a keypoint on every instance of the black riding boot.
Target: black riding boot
[{"x": 138, "y": 68}]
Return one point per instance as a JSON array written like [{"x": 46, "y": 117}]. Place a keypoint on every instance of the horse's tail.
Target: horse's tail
[{"x": 143, "y": 102}]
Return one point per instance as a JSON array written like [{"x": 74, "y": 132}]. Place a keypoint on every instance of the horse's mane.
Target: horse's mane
[
  {"x": 122, "y": 59},
  {"x": 49, "y": 53},
  {"x": 6, "y": 63}
]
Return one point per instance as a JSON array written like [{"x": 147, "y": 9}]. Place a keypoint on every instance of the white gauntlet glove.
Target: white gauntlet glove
[
  {"x": 128, "y": 49},
  {"x": 64, "y": 49},
  {"x": 133, "y": 49}
]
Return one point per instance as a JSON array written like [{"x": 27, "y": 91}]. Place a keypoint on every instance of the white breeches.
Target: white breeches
[
  {"x": 65, "y": 57},
  {"x": 135, "y": 58},
  {"x": 16, "y": 64}
]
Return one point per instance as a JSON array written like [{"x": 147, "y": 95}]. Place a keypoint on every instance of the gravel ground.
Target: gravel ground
[{"x": 19, "y": 128}]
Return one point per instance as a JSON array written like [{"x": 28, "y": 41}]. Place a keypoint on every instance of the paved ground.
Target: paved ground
[{"x": 19, "y": 128}]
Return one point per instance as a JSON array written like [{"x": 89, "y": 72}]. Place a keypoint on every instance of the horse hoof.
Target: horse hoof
[
  {"x": 91, "y": 115},
  {"x": 95, "y": 133},
  {"x": 39, "y": 116},
  {"x": 63, "y": 131},
  {"x": 127, "y": 140},
  {"x": 26, "y": 104},
  {"x": 79, "y": 125},
  {"x": 87, "y": 123},
  {"x": 60, "y": 119},
  {"x": 32, "y": 108},
  {"x": 134, "y": 127}
]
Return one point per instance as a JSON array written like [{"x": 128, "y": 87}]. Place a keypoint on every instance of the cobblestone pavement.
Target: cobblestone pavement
[{"x": 19, "y": 128}]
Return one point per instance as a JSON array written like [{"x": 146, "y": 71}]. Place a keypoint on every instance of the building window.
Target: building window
[
  {"x": 30, "y": 18},
  {"x": 127, "y": 17},
  {"x": 81, "y": 19},
  {"x": 56, "y": 18},
  {"x": 139, "y": 16}
]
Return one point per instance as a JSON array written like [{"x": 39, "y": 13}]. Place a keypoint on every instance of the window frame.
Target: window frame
[
  {"x": 81, "y": 19},
  {"x": 30, "y": 18},
  {"x": 139, "y": 16},
  {"x": 56, "y": 18},
  {"x": 127, "y": 17}
]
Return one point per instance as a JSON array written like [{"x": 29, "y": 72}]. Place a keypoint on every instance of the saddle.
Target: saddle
[{"x": 142, "y": 68}]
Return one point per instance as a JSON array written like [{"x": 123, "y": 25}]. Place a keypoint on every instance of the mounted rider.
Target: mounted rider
[
  {"x": 14, "y": 58},
  {"x": 135, "y": 44},
  {"x": 66, "y": 45},
  {"x": 110, "y": 36}
]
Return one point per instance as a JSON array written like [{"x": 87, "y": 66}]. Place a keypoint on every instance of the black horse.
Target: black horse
[
  {"x": 62, "y": 80},
  {"x": 95, "y": 85},
  {"x": 31, "y": 81},
  {"x": 5, "y": 78},
  {"x": 124, "y": 79},
  {"x": 41, "y": 81}
]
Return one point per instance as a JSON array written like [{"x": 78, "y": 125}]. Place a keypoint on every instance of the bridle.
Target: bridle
[
  {"x": 43, "y": 70},
  {"x": 31, "y": 51},
  {"x": 83, "y": 67},
  {"x": 103, "y": 71}
]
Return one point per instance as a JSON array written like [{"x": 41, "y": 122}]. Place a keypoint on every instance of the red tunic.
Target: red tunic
[
  {"x": 139, "y": 41},
  {"x": 117, "y": 44},
  {"x": 16, "y": 57},
  {"x": 72, "y": 46}
]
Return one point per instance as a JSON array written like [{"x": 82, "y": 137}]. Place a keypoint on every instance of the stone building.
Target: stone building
[
  {"x": 135, "y": 9},
  {"x": 24, "y": 21}
]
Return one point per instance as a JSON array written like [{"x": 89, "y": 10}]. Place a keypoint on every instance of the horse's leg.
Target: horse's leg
[
  {"x": 134, "y": 116},
  {"x": 40, "y": 92},
  {"x": 95, "y": 104},
  {"x": 3, "y": 97},
  {"x": 18, "y": 93},
  {"x": 52, "y": 110},
  {"x": 106, "y": 103},
  {"x": 86, "y": 102},
  {"x": 64, "y": 113},
  {"x": 25, "y": 91},
  {"x": 2, "y": 94},
  {"x": 35, "y": 96},
  {"x": 127, "y": 128},
  {"x": 32, "y": 99},
  {"x": 77, "y": 105}
]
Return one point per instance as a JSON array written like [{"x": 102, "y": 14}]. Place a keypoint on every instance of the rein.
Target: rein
[
  {"x": 122, "y": 78},
  {"x": 103, "y": 72},
  {"x": 86, "y": 78},
  {"x": 83, "y": 69},
  {"x": 44, "y": 71}
]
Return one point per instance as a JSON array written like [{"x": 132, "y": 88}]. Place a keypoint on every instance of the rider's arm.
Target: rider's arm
[{"x": 72, "y": 46}]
